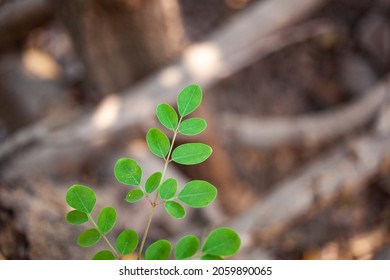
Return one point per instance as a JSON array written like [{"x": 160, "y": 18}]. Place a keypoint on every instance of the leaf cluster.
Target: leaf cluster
[
  {"x": 158, "y": 190},
  {"x": 83, "y": 200}
]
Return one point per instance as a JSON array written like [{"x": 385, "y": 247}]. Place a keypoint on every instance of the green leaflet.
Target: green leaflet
[
  {"x": 189, "y": 99},
  {"x": 134, "y": 196},
  {"x": 81, "y": 198},
  {"x": 198, "y": 194},
  {"x": 76, "y": 217},
  {"x": 168, "y": 189},
  {"x": 153, "y": 182},
  {"x": 211, "y": 257},
  {"x": 191, "y": 153},
  {"x": 106, "y": 219},
  {"x": 192, "y": 126},
  {"x": 159, "y": 250},
  {"x": 104, "y": 255},
  {"x": 186, "y": 247},
  {"x": 88, "y": 238},
  {"x": 167, "y": 116},
  {"x": 175, "y": 209},
  {"x": 128, "y": 172},
  {"x": 158, "y": 142},
  {"x": 222, "y": 242},
  {"x": 127, "y": 241}
]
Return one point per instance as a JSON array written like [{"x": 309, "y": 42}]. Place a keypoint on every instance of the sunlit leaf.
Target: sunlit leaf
[
  {"x": 106, "y": 219},
  {"x": 128, "y": 172},
  {"x": 167, "y": 116},
  {"x": 198, "y": 193},
  {"x": 159, "y": 250},
  {"x": 134, "y": 195},
  {"x": 186, "y": 247},
  {"x": 77, "y": 217},
  {"x": 192, "y": 126},
  {"x": 104, "y": 255},
  {"x": 222, "y": 242},
  {"x": 88, "y": 238},
  {"x": 168, "y": 189},
  {"x": 189, "y": 99},
  {"x": 158, "y": 142},
  {"x": 191, "y": 153},
  {"x": 81, "y": 198},
  {"x": 153, "y": 182},
  {"x": 127, "y": 241},
  {"x": 175, "y": 209}
]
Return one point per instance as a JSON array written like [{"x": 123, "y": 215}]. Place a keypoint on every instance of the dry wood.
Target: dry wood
[
  {"x": 309, "y": 130},
  {"x": 346, "y": 169},
  {"x": 19, "y": 18},
  {"x": 135, "y": 105},
  {"x": 204, "y": 63},
  {"x": 223, "y": 54},
  {"x": 122, "y": 41}
]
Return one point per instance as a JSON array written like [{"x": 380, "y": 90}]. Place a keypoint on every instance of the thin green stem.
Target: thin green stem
[
  {"x": 118, "y": 256},
  {"x": 112, "y": 247},
  {"x": 154, "y": 203},
  {"x": 146, "y": 232},
  {"x": 167, "y": 158}
]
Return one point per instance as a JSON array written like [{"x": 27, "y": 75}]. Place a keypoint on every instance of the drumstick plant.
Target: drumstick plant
[{"x": 159, "y": 191}]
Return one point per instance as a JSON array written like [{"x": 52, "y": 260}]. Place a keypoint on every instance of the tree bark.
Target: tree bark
[
  {"x": 122, "y": 41},
  {"x": 18, "y": 18}
]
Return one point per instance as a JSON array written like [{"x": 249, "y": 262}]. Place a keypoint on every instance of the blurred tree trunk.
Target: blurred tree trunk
[{"x": 120, "y": 41}]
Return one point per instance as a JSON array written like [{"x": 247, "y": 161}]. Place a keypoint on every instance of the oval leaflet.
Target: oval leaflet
[
  {"x": 198, "y": 193},
  {"x": 191, "y": 153}
]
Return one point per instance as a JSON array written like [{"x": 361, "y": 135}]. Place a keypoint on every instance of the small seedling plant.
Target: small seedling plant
[{"x": 160, "y": 192}]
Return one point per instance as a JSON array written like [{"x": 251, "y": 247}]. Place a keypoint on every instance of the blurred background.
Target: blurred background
[{"x": 296, "y": 96}]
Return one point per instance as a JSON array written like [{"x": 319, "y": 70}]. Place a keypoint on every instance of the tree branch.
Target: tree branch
[
  {"x": 17, "y": 19},
  {"x": 346, "y": 169},
  {"x": 310, "y": 130},
  {"x": 136, "y": 104}
]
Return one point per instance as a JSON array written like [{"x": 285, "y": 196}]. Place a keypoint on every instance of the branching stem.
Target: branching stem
[
  {"x": 155, "y": 203},
  {"x": 118, "y": 256},
  {"x": 146, "y": 232}
]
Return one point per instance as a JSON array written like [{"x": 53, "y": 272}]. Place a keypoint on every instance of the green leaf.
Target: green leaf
[
  {"x": 128, "y": 172},
  {"x": 153, "y": 182},
  {"x": 211, "y": 257},
  {"x": 88, "y": 238},
  {"x": 104, "y": 255},
  {"x": 189, "y": 99},
  {"x": 186, "y": 247},
  {"x": 134, "y": 195},
  {"x": 127, "y": 241},
  {"x": 81, "y": 198},
  {"x": 191, "y": 153},
  {"x": 76, "y": 217},
  {"x": 167, "y": 116},
  {"x": 106, "y": 219},
  {"x": 158, "y": 142},
  {"x": 222, "y": 242},
  {"x": 168, "y": 189},
  {"x": 198, "y": 194},
  {"x": 175, "y": 209},
  {"x": 158, "y": 250},
  {"x": 192, "y": 126}
]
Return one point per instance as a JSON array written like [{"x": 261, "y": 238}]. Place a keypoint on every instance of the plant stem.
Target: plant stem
[
  {"x": 104, "y": 237},
  {"x": 154, "y": 203},
  {"x": 146, "y": 232},
  {"x": 118, "y": 256},
  {"x": 167, "y": 159}
]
